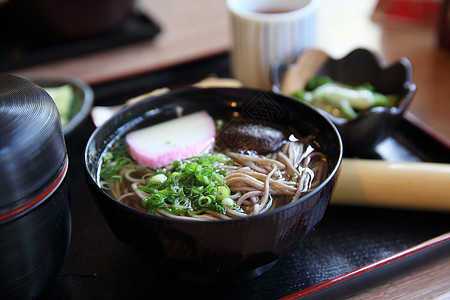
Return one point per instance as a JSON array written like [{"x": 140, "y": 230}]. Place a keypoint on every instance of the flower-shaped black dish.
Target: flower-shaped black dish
[
  {"x": 372, "y": 126},
  {"x": 225, "y": 250}
]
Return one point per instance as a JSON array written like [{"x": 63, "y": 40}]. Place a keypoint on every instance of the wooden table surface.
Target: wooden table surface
[{"x": 192, "y": 30}]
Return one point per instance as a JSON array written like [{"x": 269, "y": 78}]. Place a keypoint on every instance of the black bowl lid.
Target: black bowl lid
[{"x": 32, "y": 147}]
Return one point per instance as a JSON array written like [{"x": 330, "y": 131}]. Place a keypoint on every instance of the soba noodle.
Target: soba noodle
[{"x": 257, "y": 183}]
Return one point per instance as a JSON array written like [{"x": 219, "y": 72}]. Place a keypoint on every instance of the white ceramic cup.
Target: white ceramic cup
[{"x": 265, "y": 31}]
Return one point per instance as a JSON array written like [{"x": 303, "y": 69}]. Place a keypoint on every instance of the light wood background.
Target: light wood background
[{"x": 196, "y": 29}]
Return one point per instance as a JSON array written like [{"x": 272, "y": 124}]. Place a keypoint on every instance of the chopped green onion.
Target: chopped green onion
[
  {"x": 176, "y": 210},
  {"x": 228, "y": 202},
  {"x": 194, "y": 185},
  {"x": 190, "y": 168},
  {"x": 223, "y": 192},
  {"x": 113, "y": 160},
  {"x": 156, "y": 180},
  {"x": 182, "y": 202},
  {"x": 204, "y": 201}
]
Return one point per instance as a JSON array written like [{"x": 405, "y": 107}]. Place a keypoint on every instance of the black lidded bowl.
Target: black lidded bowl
[
  {"x": 35, "y": 220},
  {"x": 237, "y": 249},
  {"x": 362, "y": 134}
]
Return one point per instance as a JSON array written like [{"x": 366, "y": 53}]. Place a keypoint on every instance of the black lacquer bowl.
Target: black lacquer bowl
[
  {"x": 35, "y": 220},
  {"x": 360, "y": 66},
  {"x": 218, "y": 250}
]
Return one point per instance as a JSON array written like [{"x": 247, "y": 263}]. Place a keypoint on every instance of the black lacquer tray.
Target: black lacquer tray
[
  {"x": 99, "y": 266},
  {"x": 20, "y": 47}
]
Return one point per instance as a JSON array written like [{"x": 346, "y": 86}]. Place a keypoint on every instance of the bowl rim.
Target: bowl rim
[{"x": 334, "y": 172}]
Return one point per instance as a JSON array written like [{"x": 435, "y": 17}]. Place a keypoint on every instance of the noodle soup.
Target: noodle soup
[
  {"x": 262, "y": 228},
  {"x": 240, "y": 177}
]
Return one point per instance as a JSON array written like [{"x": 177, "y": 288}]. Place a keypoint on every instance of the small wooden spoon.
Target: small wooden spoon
[{"x": 306, "y": 67}]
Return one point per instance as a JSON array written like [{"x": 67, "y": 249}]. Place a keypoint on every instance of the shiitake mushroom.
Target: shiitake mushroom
[{"x": 258, "y": 138}]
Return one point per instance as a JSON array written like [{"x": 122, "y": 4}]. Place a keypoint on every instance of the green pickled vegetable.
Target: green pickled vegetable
[
  {"x": 343, "y": 100},
  {"x": 64, "y": 99},
  {"x": 318, "y": 81}
]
